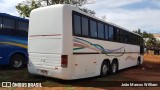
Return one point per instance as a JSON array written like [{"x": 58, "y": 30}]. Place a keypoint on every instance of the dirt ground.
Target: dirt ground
[{"x": 148, "y": 71}]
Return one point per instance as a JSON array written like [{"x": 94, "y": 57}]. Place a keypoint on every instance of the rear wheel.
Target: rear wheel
[
  {"x": 114, "y": 67},
  {"x": 104, "y": 69},
  {"x": 17, "y": 61}
]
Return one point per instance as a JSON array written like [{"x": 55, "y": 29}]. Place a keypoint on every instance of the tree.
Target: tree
[
  {"x": 138, "y": 31},
  {"x": 151, "y": 43},
  {"x": 144, "y": 34},
  {"x": 103, "y": 18},
  {"x": 87, "y": 11},
  {"x": 149, "y": 40},
  {"x": 27, "y": 6}
]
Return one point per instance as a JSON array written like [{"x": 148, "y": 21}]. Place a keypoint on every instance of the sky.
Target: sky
[{"x": 130, "y": 14}]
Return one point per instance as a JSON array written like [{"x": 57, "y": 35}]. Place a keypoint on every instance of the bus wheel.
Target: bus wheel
[
  {"x": 104, "y": 69},
  {"x": 17, "y": 61},
  {"x": 114, "y": 67}
]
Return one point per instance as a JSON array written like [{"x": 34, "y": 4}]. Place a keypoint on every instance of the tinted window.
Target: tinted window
[
  {"x": 117, "y": 34},
  {"x": 134, "y": 39},
  {"x": 111, "y": 36},
  {"x": 93, "y": 28},
  {"x": 138, "y": 40},
  {"x": 0, "y": 22},
  {"x": 100, "y": 30},
  {"x": 77, "y": 24},
  {"x": 125, "y": 37},
  {"x": 106, "y": 32},
  {"x": 128, "y": 36},
  {"x": 8, "y": 23},
  {"x": 84, "y": 26},
  {"x": 121, "y": 36},
  {"x": 22, "y": 26}
]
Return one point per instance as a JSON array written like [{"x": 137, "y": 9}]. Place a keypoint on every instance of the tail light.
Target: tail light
[{"x": 64, "y": 61}]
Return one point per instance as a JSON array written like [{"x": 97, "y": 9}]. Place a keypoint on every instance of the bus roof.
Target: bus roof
[
  {"x": 113, "y": 24},
  {"x": 80, "y": 11},
  {"x": 73, "y": 8},
  {"x": 13, "y": 17}
]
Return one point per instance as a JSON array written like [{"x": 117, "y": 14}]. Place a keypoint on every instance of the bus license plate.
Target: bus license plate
[{"x": 44, "y": 72}]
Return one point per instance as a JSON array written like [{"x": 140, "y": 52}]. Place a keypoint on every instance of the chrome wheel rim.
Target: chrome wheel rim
[
  {"x": 114, "y": 68},
  {"x": 104, "y": 69},
  {"x": 17, "y": 63}
]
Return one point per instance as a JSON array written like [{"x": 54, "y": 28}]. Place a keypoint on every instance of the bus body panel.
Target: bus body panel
[
  {"x": 48, "y": 62},
  {"x": 13, "y": 37},
  {"x": 53, "y": 37},
  {"x": 50, "y": 34},
  {"x": 90, "y": 57}
]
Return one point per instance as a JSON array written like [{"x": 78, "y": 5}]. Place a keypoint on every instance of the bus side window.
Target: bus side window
[
  {"x": 22, "y": 26},
  {"x": 0, "y": 23},
  {"x": 93, "y": 28},
  {"x": 106, "y": 32},
  {"x": 128, "y": 37},
  {"x": 22, "y": 29},
  {"x": 121, "y": 36},
  {"x": 85, "y": 24},
  {"x": 111, "y": 36},
  {"x": 77, "y": 25},
  {"x": 117, "y": 34},
  {"x": 100, "y": 31},
  {"x": 8, "y": 23},
  {"x": 125, "y": 37}
]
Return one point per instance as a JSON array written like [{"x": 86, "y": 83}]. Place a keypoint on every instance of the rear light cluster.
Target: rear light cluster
[{"x": 64, "y": 61}]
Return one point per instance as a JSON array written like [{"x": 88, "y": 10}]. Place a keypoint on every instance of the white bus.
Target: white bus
[{"x": 67, "y": 43}]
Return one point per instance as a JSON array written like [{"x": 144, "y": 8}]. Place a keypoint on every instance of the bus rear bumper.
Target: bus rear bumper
[{"x": 48, "y": 72}]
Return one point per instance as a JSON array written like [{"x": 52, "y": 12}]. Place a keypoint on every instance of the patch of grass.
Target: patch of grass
[{"x": 22, "y": 75}]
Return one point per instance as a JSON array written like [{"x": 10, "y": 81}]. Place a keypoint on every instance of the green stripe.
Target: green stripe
[{"x": 78, "y": 48}]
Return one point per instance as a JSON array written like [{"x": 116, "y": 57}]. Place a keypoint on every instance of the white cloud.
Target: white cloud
[
  {"x": 157, "y": 2},
  {"x": 102, "y": 4},
  {"x": 8, "y": 6},
  {"x": 146, "y": 19}
]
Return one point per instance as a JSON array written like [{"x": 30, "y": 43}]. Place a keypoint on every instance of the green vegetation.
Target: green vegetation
[
  {"x": 24, "y": 8},
  {"x": 23, "y": 75},
  {"x": 149, "y": 40}
]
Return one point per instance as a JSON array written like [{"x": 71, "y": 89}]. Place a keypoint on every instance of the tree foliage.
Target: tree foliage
[
  {"x": 24, "y": 8},
  {"x": 149, "y": 40},
  {"x": 104, "y": 17},
  {"x": 87, "y": 11},
  {"x": 72, "y": 2}
]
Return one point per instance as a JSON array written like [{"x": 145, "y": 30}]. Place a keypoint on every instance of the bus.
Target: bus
[
  {"x": 13, "y": 41},
  {"x": 66, "y": 43}
]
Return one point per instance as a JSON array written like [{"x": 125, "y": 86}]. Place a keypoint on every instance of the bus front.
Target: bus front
[{"x": 45, "y": 43}]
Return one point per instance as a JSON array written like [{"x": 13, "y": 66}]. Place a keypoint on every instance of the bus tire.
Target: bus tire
[
  {"x": 114, "y": 67},
  {"x": 104, "y": 69},
  {"x": 138, "y": 61},
  {"x": 17, "y": 61}
]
